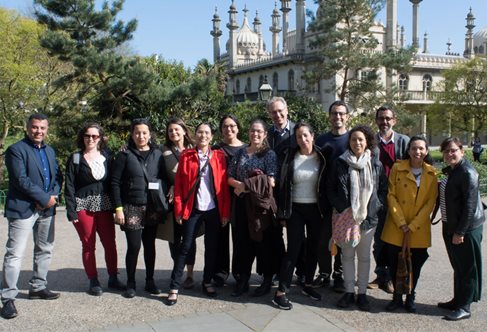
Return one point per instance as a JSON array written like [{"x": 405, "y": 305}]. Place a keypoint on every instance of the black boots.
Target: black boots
[
  {"x": 264, "y": 288},
  {"x": 410, "y": 305},
  {"x": 395, "y": 303}
]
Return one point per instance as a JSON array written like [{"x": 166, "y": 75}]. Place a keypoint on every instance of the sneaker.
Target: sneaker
[
  {"x": 314, "y": 295},
  {"x": 339, "y": 286},
  {"x": 322, "y": 280},
  {"x": 374, "y": 284},
  {"x": 282, "y": 302},
  {"x": 346, "y": 300},
  {"x": 363, "y": 303}
]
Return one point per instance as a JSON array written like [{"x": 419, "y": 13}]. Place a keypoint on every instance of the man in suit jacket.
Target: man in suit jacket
[
  {"x": 392, "y": 146},
  {"x": 281, "y": 134},
  {"x": 35, "y": 182}
]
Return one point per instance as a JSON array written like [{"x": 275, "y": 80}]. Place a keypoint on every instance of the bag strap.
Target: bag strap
[
  {"x": 198, "y": 179},
  {"x": 405, "y": 243}
]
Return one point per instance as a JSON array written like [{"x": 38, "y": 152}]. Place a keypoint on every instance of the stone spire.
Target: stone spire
[
  {"x": 216, "y": 33},
  {"x": 300, "y": 25},
  {"x": 258, "y": 30},
  {"x": 275, "y": 29},
  {"x": 232, "y": 25},
  {"x": 469, "y": 51},
  {"x": 415, "y": 22},
  {"x": 285, "y": 8},
  {"x": 391, "y": 25},
  {"x": 425, "y": 43}
]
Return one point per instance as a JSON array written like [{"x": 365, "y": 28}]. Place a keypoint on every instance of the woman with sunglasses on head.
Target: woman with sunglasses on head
[
  {"x": 230, "y": 144},
  {"x": 413, "y": 189},
  {"x": 88, "y": 204},
  {"x": 463, "y": 217},
  {"x": 178, "y": 139},
  {"x": 134, "y": 210},
  {"x": 201, "y": 195}
]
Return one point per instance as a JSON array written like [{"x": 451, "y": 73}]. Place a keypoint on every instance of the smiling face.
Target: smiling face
[
  {"x": 338, "y": 118},
  {"x": 37, "y": 130},
  {"x": 417, "y": 151},
  {"x": 453, "y": 154},
  {"x": 91, "y": 138},
  {"x": 203, "y": 136},
  {"x": 385, "y": 121},
  {"x": 358, "y": 143},
  {"x": 175, "y": 133},
  {"x": 278, "y": 113},
  {"x": 229, "y": 130},
  {"x": 304, "y": 139},
  {"x": 257, "y": 134},
  {"x": 141, "y": 136}
]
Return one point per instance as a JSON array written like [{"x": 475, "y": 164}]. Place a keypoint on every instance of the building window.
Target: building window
[
  {"x": 427, "y": 82},
  {"x": 403, "y": 82},
  {"x": 290, "y": 80},
  {"x": 237, "y": 87},
  {"x": 481, "y": 49},
  {"x": 248, "y": 86},
  {"x": 261, "y": 80},
  {"x": 275, "y": 82}
]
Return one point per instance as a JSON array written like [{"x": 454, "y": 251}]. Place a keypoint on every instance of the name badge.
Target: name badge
[{"x": 154, "y": 185}]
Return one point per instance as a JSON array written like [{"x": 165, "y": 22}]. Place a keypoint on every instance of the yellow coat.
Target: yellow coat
[{"x": 410, "y": 206}]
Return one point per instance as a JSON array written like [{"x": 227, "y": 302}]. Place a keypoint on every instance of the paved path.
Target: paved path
[{"x": 78, "y": 311}]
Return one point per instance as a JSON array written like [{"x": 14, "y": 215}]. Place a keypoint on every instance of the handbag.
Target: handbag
[
  {"x": 404, "y": 273},
  {"x": 345, "y": 231},
  {"x": 156, "y": 194}
]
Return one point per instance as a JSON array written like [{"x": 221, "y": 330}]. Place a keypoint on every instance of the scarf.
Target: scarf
[{"x": 361, "y": 183}]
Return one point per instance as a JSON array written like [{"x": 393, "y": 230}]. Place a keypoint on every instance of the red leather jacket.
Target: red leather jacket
[{"x": 186, "y": 176}]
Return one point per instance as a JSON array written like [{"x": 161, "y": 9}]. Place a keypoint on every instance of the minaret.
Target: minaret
[
  {"x": 448, "y": 45},
  {"x": 275, "y": 29},
  {"x": 469, "y": 51},
  {"x": 216, "y": 33},
  {"x": 285, "y": 9},
  {"x": 391, "y": 26},
  {"x": 258, "y": 30},
  {"x": 232, "y": 25},
  {"x": 425, "y": 43},
  {"x": 402, "y": 36},
  {"x": 300, "y": 25},
  {"x": 415, "y": 22}
]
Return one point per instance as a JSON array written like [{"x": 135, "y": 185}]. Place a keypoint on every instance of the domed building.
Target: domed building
[{"x": 249, "y": 64}]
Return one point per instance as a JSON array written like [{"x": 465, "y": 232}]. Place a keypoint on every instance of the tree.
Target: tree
[
  {"x": 465, "y": 96},
  {"x": 116, "y": 86},
  {"x": 348, "y": 55}
]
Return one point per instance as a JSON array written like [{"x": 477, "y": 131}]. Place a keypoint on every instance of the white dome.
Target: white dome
[
  {"x": 480, "y": 41},
  {"x": 247, "y": 40}
]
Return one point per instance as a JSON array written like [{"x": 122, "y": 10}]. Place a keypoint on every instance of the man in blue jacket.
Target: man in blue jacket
[{"x": 35, "y": 182}]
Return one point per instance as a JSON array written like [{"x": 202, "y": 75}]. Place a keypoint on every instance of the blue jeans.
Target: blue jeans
[
  {"x": 211, "y": 218},
  {"x": 18, "y": 233}
]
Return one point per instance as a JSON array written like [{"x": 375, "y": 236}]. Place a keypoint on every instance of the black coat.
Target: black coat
[
  {"x": 285, "y": 201},
  {"x": 464, "y": 209},
  {"x": 128, "y": 183},
  {"x": 338, "y": 190}
]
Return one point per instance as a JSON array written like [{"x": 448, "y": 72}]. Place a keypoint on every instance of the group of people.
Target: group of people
[{"x": 336, "y": 195}]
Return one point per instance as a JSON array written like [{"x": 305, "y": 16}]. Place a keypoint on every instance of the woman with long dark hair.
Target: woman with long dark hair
[{"x": 134, "y": 210}]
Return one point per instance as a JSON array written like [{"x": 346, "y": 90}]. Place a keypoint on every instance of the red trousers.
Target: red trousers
[{"x": 90, "y": 223}]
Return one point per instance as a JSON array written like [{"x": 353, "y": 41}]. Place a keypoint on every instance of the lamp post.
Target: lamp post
[{"x": 265, "y": 90}]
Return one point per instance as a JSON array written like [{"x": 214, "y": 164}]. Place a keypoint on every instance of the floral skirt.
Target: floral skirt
[{"x": 138, "y": 216}]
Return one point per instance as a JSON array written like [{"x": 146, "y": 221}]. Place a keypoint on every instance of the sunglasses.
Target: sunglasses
[{"x": 93, "y": 137}]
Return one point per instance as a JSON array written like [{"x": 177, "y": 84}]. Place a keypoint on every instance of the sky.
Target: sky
[{"x": 180, "y": 30}]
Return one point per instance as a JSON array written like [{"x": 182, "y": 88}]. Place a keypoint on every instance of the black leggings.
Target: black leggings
[{"x": 147, "y": 236}]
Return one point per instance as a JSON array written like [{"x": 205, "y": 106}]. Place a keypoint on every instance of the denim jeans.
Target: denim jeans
[{"x": 18, "y": 233}]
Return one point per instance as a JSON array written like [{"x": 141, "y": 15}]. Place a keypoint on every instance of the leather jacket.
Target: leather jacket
[
  {"x": 464, "y": 209},
  {"x": 284, "y": 201}
]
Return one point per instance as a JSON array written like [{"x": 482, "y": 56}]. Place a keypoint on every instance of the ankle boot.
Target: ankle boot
[
  {"x": 115, "y": 284},
  {"x": 95, "y": 288},
  {"x": 395, "y": 303},
  {"x": 241, "y": 286},
  {"x": 410, "y": 305},
  {"x": 265, "y": 287}
]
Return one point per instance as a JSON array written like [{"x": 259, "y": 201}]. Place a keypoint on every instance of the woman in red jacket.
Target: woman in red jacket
[{"x": 201, "y": 194}]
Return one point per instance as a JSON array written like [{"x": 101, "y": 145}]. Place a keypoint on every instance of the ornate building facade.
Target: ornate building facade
[{"x": 249, "y": 62}]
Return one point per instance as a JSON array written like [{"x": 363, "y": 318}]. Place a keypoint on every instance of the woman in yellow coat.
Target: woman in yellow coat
[{"x": 413, "y": 189}]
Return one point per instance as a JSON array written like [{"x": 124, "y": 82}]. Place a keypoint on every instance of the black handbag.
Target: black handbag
[{"x": 157, "y": 196}]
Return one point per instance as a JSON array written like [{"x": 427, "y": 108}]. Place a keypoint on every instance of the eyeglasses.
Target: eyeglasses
[
  {"x": 384, "y": 118},
  {"x": 450, "y": 151},
  {"x": 337, "y": 114},
  {"x": 93, "y": 137},
  {"x": 257, "y": 131},
  {"x": 229, "y": 126}
]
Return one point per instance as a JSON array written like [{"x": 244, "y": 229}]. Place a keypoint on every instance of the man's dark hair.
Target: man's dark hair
[
  {"x": 384, "y": 108},
  {"x": 36, "y": 116},
  {"x": 338, "y": 103}
]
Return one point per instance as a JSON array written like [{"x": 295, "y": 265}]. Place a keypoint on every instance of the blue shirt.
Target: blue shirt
[{"x": 40, "y": 152}]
